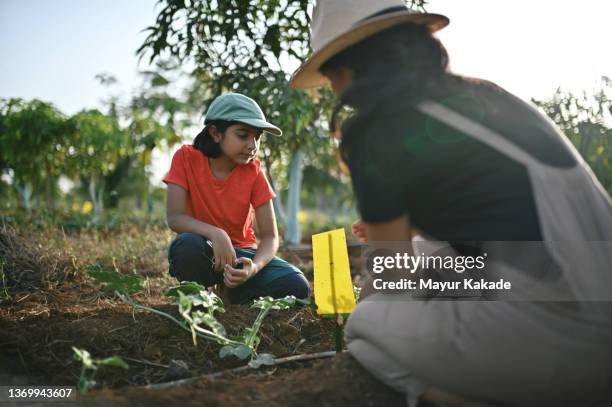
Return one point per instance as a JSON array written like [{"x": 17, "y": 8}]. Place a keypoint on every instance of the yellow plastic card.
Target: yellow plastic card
[{"x": 333, "y": 287}]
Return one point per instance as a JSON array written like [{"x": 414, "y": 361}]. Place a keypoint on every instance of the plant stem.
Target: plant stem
[
  {"x": 212, "y": 335},
  {"x": 255, "y": 328},
  {"x": 206, "y": 334}
]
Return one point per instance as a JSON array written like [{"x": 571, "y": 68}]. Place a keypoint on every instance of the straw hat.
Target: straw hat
[{"x": 338, "y": 24}]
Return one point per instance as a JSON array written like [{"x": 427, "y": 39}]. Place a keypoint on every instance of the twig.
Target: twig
[
  {"x": 279, "y": 361},
  {"x": 145, "y": 362},
  {"x": 23, "y": 298}
]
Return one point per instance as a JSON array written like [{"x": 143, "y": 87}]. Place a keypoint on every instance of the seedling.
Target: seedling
[
  {"x": 197, "y": 306},
  {"x": 89, "y": 367}
]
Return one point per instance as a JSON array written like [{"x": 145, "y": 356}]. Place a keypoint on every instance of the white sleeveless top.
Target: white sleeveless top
[{"x": 575, "y": 215}]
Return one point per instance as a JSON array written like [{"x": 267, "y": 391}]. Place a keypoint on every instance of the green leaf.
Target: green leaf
[
  {"x": 115, "y": 361},
  {"x": 83, "y": 356},
  {"x": 213, "y": 324},
  {"x": 240, "y": 351},
  {"x": 225, "y": 351},
  {"x": 186, "y": 287},
  {"x": 262, "y": 359},
  {"x": 208, "y": 300},
  {"x": 184, "y": 302},
  {"x": 209, "y": 320},
  {"x": 197, "y": 295},
  {"x": 112, "y": 281},
  {"x": 277, "y": 304}
]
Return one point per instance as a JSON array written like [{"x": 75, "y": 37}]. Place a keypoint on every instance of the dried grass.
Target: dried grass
[{"x": 35, "y": 258}]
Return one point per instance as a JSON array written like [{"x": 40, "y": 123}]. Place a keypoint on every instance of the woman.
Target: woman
[{"x": 462, "y": 160}]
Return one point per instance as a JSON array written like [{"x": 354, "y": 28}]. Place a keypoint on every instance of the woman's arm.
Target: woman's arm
[
  {"x": 396, "y": 230},
  {"x": 180, "y": 222}
]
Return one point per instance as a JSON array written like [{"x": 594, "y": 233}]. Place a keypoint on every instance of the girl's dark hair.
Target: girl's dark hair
[
  {"x": 204, "y": 141},
  {"x": 397, "y": 62}
]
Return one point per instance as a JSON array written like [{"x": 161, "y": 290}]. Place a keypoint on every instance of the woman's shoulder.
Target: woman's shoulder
[{"x": 515, "y": 119}]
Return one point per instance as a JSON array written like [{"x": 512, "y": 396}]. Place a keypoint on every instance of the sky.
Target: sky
[{"x": 52, "y": 49}]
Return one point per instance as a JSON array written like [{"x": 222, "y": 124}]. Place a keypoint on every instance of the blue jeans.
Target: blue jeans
[{"x": 191, "y": 259}]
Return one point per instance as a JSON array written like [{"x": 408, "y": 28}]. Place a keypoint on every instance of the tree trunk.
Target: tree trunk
[
  {"x": 50, "y": 184},
  {"x": 113, "y": 180},
  {"x": 277, "y": 201},
  {"x": 25, "y": 191},
  {"x": 292, "y": 232},
  {"x": 96, "y": 195}
]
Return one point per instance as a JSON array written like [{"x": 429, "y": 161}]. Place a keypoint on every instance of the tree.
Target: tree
[
  {"x": 248, "y": 46},
  {"x": 34, "y": 137},
  {"x": 152, "y": 117},
  {"x": 586, "y": 119},
  {"x": 99, "y": 144}
]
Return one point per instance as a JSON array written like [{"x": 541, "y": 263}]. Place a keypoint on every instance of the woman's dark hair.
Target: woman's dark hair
[
  {"x": 397, "y": 62},
  {"x": 204, "y": 141}
]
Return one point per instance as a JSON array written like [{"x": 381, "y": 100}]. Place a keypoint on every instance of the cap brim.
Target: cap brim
[
  {"x": 308, "y": 74},
  {"x": 262, "y": 124}
]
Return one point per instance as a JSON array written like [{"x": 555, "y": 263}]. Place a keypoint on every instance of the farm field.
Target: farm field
[{"x": 51, "y": 305}]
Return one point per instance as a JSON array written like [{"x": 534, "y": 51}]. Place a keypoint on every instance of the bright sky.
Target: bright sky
[{"x": 52, "y": 49}]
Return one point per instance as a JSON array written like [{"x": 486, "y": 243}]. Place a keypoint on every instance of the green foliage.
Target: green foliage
[
  {"x": 107, "y": 155},
  {"x": 35, "y": 137},
  {"x": 243, "y": 46},
  {"x": 126, "y": 284},
  {"x": 201, "y": 322},
  {"x": 269, "y": 303},
  {"x": 586, "y": 119},
  {"x": 97, "y": 145},
  {"x": 89, "y": 367},
  {"x": 357, "y": 292}
]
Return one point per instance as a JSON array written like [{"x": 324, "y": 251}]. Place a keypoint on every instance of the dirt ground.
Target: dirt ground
[{"x": 38, "y": 328}]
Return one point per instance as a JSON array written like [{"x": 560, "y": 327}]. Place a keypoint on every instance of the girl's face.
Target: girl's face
[{"x": 240, "y": 142}]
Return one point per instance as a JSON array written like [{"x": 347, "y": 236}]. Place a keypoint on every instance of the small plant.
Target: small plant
[
  {"x": 89, "y": 367},
  {"x": 197, "y": 306},
  {"x": 357, "y": 292}
]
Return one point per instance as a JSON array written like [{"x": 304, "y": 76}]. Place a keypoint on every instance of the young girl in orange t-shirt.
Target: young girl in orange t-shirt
[{"x": 215, "y": 188}]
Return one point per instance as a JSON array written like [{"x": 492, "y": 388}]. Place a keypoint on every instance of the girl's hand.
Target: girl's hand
[
  {"x": 223, "y": 250},
  {"x": 233, "y": 277},
  {"x": 360, "y": 230}
]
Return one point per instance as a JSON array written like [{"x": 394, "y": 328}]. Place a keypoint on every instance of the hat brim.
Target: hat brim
[
  {"x": 262, "y": 124},
  {"x": 308, "y": 74}
]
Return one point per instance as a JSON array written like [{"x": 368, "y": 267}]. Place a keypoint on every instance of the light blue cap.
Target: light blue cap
[{"x": 240, "y": 108}]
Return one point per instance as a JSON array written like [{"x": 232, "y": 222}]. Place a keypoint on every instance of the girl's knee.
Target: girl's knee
[
  {"x": 292, "y": 284},
  {"x": 188, "y": 259},
  {"x": 185, "y": 242},
  {"x": 301, "y": 288}
]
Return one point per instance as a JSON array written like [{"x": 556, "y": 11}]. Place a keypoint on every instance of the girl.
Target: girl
[
  {"x": 465, "y": 161},
  {"x": 215, "y": 188}
]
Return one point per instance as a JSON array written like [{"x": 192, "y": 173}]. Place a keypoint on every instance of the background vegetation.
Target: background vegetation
[{"x": 105, "y": 155}]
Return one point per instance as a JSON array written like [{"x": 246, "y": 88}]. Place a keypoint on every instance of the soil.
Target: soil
[{"x": 39, "y": 328}]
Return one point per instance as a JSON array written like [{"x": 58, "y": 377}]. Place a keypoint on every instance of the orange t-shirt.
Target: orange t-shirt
[{"x": 229, "y": 204}]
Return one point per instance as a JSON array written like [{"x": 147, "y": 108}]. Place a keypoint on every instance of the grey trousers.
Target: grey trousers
[{"x": 502, "y": 353}]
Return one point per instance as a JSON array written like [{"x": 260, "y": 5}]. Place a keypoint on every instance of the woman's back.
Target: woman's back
[{"x": 453, "y": 187}]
